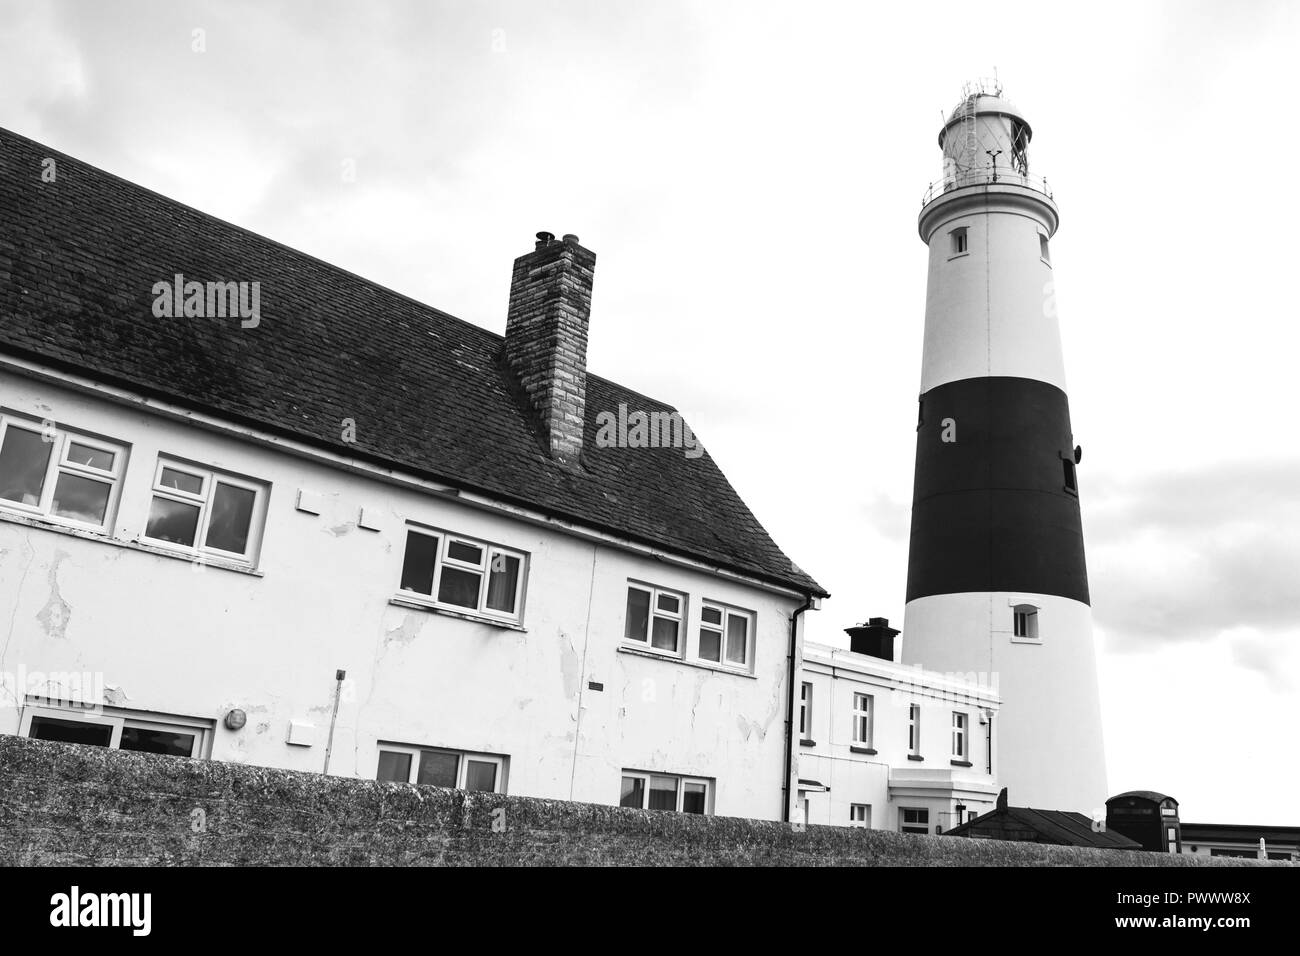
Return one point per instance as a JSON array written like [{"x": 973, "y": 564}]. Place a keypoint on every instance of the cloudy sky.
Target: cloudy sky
[{"x": 749, "y": 175}]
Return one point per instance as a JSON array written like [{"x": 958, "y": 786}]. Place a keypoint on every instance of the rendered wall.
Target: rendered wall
[{"x": 170, "y": 639}]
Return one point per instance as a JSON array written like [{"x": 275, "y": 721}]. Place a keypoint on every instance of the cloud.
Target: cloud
[{"x": 1183, "y": 556}]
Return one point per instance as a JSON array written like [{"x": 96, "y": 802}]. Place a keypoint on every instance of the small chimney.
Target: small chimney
[
  {"x": 546, "y": 337},
  {"x": 875, "y": 638}
]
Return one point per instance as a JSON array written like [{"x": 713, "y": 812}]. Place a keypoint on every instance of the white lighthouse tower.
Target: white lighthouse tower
[{"x": 997, "y": 583}]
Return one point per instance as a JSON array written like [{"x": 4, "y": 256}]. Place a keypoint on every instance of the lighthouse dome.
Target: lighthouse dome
[{"x": 986, "y": 132}]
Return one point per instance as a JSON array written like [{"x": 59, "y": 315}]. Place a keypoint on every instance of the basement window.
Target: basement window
[
  {"x": 62, "y": 476},
  {"x": 654, "y": 618},
  {"x": 726, "y": 635},
  {"x": 958, "y": 241},
  {"x": 914, "y": 820},
  {"x": 119, "y": 730},
  {"x": 204, "y": 512},
  {"x": 438, "y": 767},
  {"x": 463, "y": 574},
  {"x": 661, "y": 791}
]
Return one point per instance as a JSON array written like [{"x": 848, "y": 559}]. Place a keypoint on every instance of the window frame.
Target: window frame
[
  {"x": 463, "y": 758},
  {"x": 682, "y": 617},
  {"x": 490, "y": 552},
  {"x": 681, "y": 779},
  {"x": 863, "y": 822},
  {"x": 959, "y": 241},
  {"x": 724, "y": 631},
  {"x": 58, "y": 464},
  {"x": 960, "y": 735},
  {"x": 914, "y": 729},
  {"x": 1069, "y": 475},
  {"x": 211, "y": 477},
  {"x": 864, "y": 719},
  {"x": 1030, "y": 614},
  {"x": 924, "y": 825},
  {"x": 805, "y": 710},
  {"x": 120, "y": 718}
]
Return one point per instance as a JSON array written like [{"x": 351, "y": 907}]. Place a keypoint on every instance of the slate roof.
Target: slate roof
[
  {"x": 1058, "y": 827},
  {"x": 429, "y": 392}
]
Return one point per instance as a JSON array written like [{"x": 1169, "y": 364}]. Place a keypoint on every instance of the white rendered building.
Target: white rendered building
[
  {"x": 301, "y": 521},
  {"x": 890, "y": 746}
]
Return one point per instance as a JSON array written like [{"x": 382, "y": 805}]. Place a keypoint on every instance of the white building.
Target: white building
[
  {"x": 338, "y": 528},
  {"x": 891, "y": 746}
]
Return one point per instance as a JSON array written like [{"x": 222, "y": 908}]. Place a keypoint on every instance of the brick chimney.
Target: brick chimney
[{"x": 546, "y": 337}]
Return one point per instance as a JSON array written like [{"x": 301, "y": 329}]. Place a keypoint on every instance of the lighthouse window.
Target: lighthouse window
[
  {"x": 1071, "y": 483},
  {"x": 1043, "y": 252},
  {"x": 1025, "y": 622},
  {"x": 958, "y": 241}
]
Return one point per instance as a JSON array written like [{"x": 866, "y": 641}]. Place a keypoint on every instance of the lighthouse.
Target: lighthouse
[{"x": 997, "y": 585}]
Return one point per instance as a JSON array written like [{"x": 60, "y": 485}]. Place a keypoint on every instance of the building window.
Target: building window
[
  {"x": 959, "y": 735},
  {"x": 1025, "y": 622},
  {"x": 436, "y": 767},
  {"x": 725, "y": 635},
  {"x": 64, "y": 476},
  {"x": 914, "y": 728},
  {"x": 914, "y": 820},
  {"x": 958, "y": 241},
  {"x": 805, "y": 711},
  {"x": 1042, "y": 248},
  {"x": 463, "y": 574},
  {"x": 662, "y": 791},
  {"x": 654, "y": 618},
  {"x": 860, "y": 815},
  {"x": 120, "y": 730},
  {"x": 1071, "y": 482},
  {"x": 862, "y": 714},
  {"x": 204, "y": 512}
]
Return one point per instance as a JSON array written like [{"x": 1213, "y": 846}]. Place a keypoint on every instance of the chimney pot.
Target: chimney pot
[
  {"x": 544, "y": 239},
  {"x": 875, "y": 638},
  {"x": 570, "y": 237}
]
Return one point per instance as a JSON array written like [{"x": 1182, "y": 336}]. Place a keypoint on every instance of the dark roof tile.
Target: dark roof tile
[{"x": 429, "y": 393}]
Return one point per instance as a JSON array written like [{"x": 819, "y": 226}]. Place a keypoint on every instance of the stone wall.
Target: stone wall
[{"x": 80, "y": 805}]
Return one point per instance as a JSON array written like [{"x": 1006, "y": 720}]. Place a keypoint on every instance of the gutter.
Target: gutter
[{"x": 788, "y": 781}]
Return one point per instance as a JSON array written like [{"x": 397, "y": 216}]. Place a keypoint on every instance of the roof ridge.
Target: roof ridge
[{"x": 5, "y": 131}]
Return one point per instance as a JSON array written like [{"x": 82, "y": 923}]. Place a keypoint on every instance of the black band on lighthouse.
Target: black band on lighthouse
[{"x": 992, "y": 506}]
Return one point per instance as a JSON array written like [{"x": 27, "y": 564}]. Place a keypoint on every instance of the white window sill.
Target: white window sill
[
  {"x": 105, "y": 538},
  {"x": 403, "y": 601},
  {"x": 1026, "y": 640},
  {"x": 673, "y": 659},
  {"x": 1045, "y": 262},
  {"x": 959, "y": 255}
]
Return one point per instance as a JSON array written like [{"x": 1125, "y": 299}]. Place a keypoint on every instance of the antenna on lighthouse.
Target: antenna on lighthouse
[{"x": 993, "y": 155}]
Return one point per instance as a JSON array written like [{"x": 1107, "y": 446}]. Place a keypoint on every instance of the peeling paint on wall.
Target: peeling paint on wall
[
  {"x": 407, "y": 631},
  {"x": 57, "y": 612}
]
